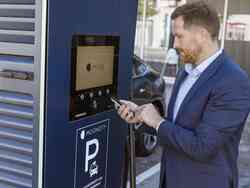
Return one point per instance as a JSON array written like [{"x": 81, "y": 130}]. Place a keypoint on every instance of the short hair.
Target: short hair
[{"x": 199, "y": 14}]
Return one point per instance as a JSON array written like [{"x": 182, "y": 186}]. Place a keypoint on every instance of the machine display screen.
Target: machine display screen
[
  {"x": 94, "y": 74},
  {"x": 94, "y": 66}
]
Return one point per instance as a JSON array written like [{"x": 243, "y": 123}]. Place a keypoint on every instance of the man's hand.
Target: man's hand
[
  {"x": 128, "y": 111},
  {"x": 149, "y": 115}
]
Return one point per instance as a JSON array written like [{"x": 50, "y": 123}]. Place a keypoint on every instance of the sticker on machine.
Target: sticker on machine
[{"x": 91, "y": 155}]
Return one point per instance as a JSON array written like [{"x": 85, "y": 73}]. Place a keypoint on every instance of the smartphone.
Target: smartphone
[{"x": 116, "y": 102}]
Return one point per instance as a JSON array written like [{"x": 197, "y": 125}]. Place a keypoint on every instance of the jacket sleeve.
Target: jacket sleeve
[
  {"x": 143, "y": 128},
  {"x": 223, "y": 117}
]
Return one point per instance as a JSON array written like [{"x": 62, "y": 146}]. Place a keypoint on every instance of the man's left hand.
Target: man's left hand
[{"x": 149, "y": 115}]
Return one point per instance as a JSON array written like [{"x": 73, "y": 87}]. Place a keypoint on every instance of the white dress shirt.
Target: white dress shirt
[{"x": 192, "y": 77}]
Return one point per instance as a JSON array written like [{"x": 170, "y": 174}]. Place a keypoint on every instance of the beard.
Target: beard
[{"x": 188, "y": 56}]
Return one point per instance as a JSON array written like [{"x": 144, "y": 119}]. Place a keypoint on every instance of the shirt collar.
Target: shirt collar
[{"x": 196, "y": 71}]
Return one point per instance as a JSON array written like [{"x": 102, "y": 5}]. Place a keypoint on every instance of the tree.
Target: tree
[{"x": 151, "y": 10}]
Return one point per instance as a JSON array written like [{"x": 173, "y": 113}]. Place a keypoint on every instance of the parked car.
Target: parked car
[{"x": 147, "y": 86}]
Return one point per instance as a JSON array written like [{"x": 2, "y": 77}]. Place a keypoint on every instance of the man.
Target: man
[{"x": 209, "y": 105}]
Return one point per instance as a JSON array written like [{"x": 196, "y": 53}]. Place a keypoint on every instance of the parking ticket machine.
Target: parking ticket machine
[{"x": 60, "y": 62}]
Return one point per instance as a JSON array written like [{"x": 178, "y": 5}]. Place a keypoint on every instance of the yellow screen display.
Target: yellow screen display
[{"x": 94, "y": 66}]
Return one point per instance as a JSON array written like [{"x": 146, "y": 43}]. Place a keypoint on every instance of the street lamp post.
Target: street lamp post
[
  {"x": 224, "y": 28},
  {"x": 145, "y": 4}
]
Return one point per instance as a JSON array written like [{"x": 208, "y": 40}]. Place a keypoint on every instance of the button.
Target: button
[
  {"x": 107, "y": 91},
  {"x": 82, "y": 97},
  {"x": 91, "y": 95},
  {"x": 94, "y": 104},
  {"x": 100, "y": 93},
  {"x": 142, "y": 90}
]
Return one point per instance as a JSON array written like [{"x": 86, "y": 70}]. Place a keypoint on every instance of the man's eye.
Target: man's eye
[{"x": 178, "y": 36}]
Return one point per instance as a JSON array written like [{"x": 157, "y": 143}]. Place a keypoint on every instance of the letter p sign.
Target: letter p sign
[{"x": 89, "y": 156}]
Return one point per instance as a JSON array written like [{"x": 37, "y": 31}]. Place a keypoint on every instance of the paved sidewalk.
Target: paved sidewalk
[{"x": 152, "y": 182}]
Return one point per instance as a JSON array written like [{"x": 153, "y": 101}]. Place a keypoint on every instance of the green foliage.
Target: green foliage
[{"x": 151, "y": 11}]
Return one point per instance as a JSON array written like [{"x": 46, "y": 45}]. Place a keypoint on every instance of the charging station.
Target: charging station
[{"x": 60, "y": 62}]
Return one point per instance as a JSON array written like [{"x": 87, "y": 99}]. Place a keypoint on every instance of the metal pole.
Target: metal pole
[
  {"x": 145, "y": 4},
  {"x": 132, "y": 157},
  {"x": 168, "y": 32},
  {"x": 224, "y": 28}
]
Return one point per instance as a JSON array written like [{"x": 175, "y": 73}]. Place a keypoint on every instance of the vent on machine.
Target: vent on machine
[{"x": 17, "y": 54}]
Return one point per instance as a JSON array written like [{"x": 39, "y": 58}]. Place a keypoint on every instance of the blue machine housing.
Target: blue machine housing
[{"x": 63, "y": 165}]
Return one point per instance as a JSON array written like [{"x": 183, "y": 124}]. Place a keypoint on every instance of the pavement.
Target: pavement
[{"x": 152, "y": 182}]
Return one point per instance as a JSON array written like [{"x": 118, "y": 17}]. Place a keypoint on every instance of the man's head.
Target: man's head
[{"x": 196, "y": 29}]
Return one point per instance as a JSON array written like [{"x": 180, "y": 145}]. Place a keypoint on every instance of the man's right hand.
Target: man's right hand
[{"x": 128, "y": 112}]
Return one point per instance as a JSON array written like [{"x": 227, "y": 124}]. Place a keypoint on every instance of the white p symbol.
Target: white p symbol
[{"x": 89, "y": 156}]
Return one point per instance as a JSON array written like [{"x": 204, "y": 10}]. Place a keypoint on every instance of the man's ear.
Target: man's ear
[{"x": 205, "y": 35}]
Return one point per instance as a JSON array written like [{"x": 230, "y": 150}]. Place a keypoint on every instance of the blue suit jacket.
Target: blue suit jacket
[{"x": 200, "y": 149}]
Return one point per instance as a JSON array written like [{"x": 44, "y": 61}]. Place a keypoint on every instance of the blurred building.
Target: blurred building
[
  {"x": 155, "y": 30},
  {"x": 237, "y": 38},
  {"x": 238, "y": 23}
]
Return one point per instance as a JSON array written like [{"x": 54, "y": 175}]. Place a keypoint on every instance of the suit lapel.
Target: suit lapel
[
  {"x": 208, "y": 73},
  {"x": 175, "y": 90}
]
